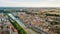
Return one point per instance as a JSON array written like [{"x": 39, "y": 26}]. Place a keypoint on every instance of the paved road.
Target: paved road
[
  {"x": 29, "y": 31},
  {"x": 37, "y": 29}
]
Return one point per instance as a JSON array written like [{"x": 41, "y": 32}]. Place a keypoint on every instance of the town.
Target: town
[{"x": 29, "y": 20}]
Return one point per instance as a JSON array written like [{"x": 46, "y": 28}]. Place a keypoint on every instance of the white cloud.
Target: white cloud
[{"x": 23, "y": 3}]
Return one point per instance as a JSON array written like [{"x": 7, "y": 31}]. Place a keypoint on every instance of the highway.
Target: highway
[{"x": 28, "y": 30}]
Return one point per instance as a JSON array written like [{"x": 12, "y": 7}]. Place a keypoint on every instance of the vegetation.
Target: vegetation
[
  {"x": 52, "y": 15},
  {"x": 17, "y": 26}
]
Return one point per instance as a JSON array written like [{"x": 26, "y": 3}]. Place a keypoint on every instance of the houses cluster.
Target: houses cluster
[{"x": 40, "y": 20}]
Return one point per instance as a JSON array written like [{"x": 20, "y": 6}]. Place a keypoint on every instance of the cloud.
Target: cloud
[{"x": 30, "y": 3}]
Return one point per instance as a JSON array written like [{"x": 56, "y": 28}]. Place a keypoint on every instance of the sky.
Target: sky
[{"x": 29, "y": 3}]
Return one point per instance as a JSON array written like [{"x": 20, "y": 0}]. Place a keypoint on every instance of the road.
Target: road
[
  {"x": 37, "y": 29},
  {"x": 28, "y": 30}
]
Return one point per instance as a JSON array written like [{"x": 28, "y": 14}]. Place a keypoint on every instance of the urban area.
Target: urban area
[{"x": 28, "y": 20}]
